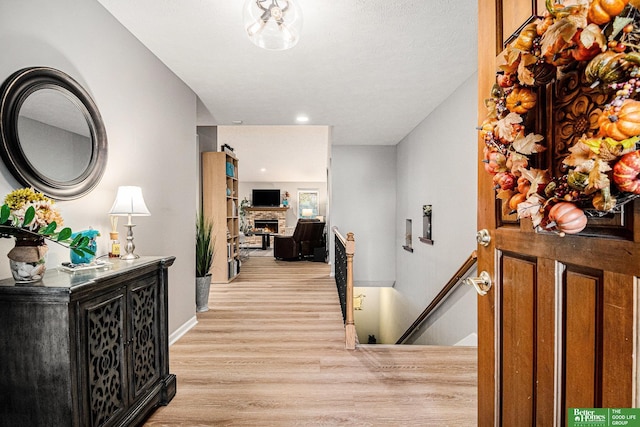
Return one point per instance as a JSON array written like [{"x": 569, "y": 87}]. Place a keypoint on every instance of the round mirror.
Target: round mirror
[{"x": 53, "y": 138}]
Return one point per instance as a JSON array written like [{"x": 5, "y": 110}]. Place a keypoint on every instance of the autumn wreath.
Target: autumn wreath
[{"x": 601, "y": 38}]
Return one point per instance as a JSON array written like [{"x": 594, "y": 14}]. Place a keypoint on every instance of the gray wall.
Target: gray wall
[
  {"x": 150, "y": 120},
  {"x": 375, "y": 189},
  {"x": 437, "y": 165},
  {"x": 363, "y": 201}
]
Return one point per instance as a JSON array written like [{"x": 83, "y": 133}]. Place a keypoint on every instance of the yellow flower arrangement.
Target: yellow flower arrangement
[
  {"x": 21, "y": 199},
  {"x": 26, "y": 212}
]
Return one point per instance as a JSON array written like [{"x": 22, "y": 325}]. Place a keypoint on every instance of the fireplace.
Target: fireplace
[{"x": 268, "y": 225}]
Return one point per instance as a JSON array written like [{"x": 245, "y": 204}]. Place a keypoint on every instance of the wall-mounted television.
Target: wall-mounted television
[{"x": 265, "y": 198}]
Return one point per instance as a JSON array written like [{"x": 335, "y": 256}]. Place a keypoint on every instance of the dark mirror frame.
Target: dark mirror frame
[{"x": 14, "y": 91}]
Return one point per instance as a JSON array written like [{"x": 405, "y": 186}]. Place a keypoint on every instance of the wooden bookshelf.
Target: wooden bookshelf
[{"x": 220, "y": 205}]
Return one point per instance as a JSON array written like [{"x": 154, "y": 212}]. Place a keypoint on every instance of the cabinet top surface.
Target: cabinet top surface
[{"x": 58, "y": 279}]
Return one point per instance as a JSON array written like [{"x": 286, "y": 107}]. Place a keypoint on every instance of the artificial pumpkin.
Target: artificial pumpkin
[
  {"x": 607, "y": 67},
  {"x": 622, "y": 124},
  {"x": 526, "y": 37},
  {"x": 494, "y": 162},
  {"x": 487, "y": 127},
  {"x": 516, "y": 200},
  {"x": 568, "y": 218},
  {"x": 625, "y": 172},
  {"x": 504, "y": 181},
  {"x": 602, "y": 11},
  {"x": 521, "y": 100},
  {"x": 523, "y": 185}
]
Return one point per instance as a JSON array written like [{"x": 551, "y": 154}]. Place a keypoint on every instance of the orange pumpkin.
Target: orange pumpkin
[
  {"x": 625, "y": 172},
  {"x": 516, "y": 200},
  {"x": 523, "y": 185},
  {"x": 623, "y": 124},
  {"x": 569, "y": 218},
  {"x": 521, "y": 100},
  {"x": 602, "y": 11}
]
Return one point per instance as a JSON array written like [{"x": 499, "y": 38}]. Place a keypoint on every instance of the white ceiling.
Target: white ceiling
[{"x": 371, "y": 69}]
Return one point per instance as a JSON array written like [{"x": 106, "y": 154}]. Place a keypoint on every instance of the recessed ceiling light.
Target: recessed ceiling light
[
  {"x": 263, "y": 169},
  {"x": 237, "y": 122},
  {"x": 302, "y": 119}
]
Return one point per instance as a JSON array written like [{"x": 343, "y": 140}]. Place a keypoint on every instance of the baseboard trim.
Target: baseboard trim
[
  {"x": 186, "y": 327},
  {"x": 374, "y": 284}
]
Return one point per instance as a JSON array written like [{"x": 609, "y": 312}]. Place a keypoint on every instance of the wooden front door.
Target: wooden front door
[{"x": 556, "y": 330}]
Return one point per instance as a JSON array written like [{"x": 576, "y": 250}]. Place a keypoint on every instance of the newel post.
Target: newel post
[{"x": 350, "y": 328}]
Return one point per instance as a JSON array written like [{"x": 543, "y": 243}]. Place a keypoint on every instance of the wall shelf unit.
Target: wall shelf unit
[{"x": 220, "y": 205}]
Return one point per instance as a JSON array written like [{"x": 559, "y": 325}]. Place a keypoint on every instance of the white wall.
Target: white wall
[
  {"x": 363, "y": 201},
  {"x": 278, "y": 153},
  {"x": 150, "y": 120},
  {"x": 437, "y": 165}
]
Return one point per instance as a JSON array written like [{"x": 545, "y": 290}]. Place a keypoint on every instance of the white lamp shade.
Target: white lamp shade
[
  {"x": 307, "y": 212},
  {"x": 273, "y": 24},
  {"x": 129, "y": 201}
]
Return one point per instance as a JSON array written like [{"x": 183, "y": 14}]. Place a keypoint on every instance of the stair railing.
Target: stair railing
[
  {"x": 344, "y": 251},
  {"x": 442, "y": 295}
]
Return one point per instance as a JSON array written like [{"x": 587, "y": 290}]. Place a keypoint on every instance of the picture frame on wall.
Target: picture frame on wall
[{"x": 308, "y": 204}]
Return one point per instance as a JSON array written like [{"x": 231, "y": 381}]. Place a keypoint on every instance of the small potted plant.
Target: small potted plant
[
  {"x": 29, "y": 217},
  {"x": 204, "y": 260}
]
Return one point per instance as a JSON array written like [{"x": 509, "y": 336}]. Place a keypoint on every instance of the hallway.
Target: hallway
[{"x": 270, "y": 352}]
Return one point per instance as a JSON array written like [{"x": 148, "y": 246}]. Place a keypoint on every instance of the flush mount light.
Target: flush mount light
[
  {"x": 273, "y": 24},
  {"x": 302, "y": 119}
]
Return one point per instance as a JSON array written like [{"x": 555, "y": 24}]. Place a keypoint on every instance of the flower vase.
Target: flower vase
[
  {"x": 203, "y": 284},
  {"x": 27, "y": 259}
]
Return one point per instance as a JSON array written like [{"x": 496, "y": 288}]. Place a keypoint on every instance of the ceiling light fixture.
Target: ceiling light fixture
[
  {"x": 273, "y": 24},
  {"x": 302, "y": 119}
]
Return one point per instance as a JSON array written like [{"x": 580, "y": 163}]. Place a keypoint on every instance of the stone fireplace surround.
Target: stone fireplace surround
[{"x": 265, "y": 213}]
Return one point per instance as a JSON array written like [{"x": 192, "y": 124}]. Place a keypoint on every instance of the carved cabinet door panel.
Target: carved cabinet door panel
[
  {"x": 145, "y": 334},
  {"x": 556, "y": 330},
  {"x": 104, "y": 391}
]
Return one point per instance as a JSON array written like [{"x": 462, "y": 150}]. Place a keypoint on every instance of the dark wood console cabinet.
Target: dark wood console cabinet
[{"x": 86, "y": 349}]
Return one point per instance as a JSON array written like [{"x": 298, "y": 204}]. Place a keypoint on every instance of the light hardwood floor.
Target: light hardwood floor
[{"x": 270, "y": 352}]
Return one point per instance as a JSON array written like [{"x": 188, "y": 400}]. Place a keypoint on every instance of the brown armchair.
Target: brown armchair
[{"x": 306, "y": 237}]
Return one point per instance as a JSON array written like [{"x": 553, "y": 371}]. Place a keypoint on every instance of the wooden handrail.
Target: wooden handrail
[
  {"x": 442, "y": 295},
  {"x": 340, "y": 236}
]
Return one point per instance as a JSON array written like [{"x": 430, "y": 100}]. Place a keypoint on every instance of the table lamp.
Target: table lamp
[
  {"x": 129, "y": 202},
  {"x": 307, "y": 213}
]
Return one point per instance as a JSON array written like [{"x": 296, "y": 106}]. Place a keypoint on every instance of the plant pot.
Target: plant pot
[
  {"x": 27, "y": 259},
  {"x": 203, "y": 284}
]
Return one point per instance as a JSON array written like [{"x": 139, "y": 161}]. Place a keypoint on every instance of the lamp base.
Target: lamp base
[{"x": 129, "y": 247}]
